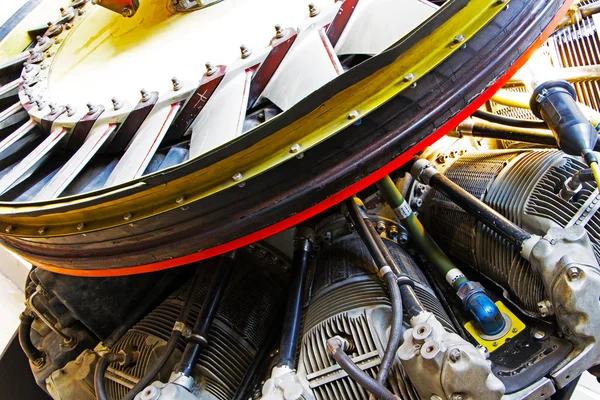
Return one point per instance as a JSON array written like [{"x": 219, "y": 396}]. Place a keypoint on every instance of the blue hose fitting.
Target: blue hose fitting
[{"x": 478, "y": 303}]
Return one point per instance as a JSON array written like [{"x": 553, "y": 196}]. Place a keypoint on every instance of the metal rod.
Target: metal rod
[
  {"x": 292, "y": 319},
  {"x": 66, "y": 338},
  {"x": 199, "y": 338},
  {"x": 427, "y": 174}
]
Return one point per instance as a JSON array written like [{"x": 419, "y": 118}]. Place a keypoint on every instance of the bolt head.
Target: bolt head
[
  {"x": 180, "y": 200},
  {"x": 210, "y": 69},
  {"x": 313, "y": 10},
  {"x": 117, "y": 104},
  {"x": 145, "y": 95},
  {"x": 455, "y": 355},
  {"x": 245, "y": 51},
  {"x": 91, "y": 108},
  {"x": 353, "y": 114},
  {"x": 9, "y": 229},
  {"x": 127, "y": 216},
  {"x": 176, "y": 84},
  {"x": 573, "y": 273},
  {"x": 539, "y": 334},
  {"x": 295, "y": 148},
  {"x": 80, "y": 226},
  {"x": 459, "y": 39},
  {"x": 408, "y": 77},
  {"x": 237, "y": 177},
  {"x": 278, "y": 31},
  {"x": 41, "y": 230}
]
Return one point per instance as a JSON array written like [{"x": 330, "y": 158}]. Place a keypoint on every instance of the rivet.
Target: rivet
[
  {"x": 127, "y": 216},
  {"x": 459, "y": 39},
  {"x": 237, "y": 177},
  {"x": 42, "y": 230},
  {"x": 353, "y": 114},
  {"x": 176, "y": 84},
  {"x": 180, "y": 200},
  {"x": 145, "y": 95},
  {"x": 117, "y": 104},
  {"x": 278, "y": 31},
  {"x": 295, "y": 148},
  {"x": 210, "y": 69},
  {"x": 80, "y": 226},
  {"x": 9, "y": 228},
  {"x": 313, "y": 10},
  {"x": 408, "y": 77}
]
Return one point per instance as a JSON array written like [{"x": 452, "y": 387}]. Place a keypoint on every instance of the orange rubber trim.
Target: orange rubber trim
[{"x": 339, "y": 196}]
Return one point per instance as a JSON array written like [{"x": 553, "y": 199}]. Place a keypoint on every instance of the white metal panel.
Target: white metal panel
[
  {"x": 143, "y": 146},
  {"x": 222, "y": 118},
  {"x": 76, "y": 163},
  {"x": 309, "y": 64},
  {"x": 30, "y": 163},
  {"x": 377, "y": 24}
]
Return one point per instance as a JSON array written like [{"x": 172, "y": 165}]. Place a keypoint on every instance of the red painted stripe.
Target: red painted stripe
[
  {"x": 336, "y": 28},
  {"x": 336, "y": 198}
]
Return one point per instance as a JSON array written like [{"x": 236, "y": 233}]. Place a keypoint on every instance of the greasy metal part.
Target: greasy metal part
[
  {"x": 127, "y": 8},
  {"x": 573, "y": 185},
  {"x": 286, "y": 384},
  {"x": 579, "y": 13},
  {"x": 445, "y": 365},
  {"x": 67, "y": 340},
  {"x": 565, "y": 260}
]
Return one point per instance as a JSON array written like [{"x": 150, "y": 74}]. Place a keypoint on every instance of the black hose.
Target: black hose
[
  {"x": 292, "y": 319},
  {"x": 172, "y": 342},
  {"x": 335, "y": 346},
  {"x": 199, "y": 338},
  {"x": 519, "y": 123},
  {"x": 100, "y": 371},
  {"x": 395, "y": 338},
  {"x": 382, "y": 258},
  {"x": 32, "y": 352}
]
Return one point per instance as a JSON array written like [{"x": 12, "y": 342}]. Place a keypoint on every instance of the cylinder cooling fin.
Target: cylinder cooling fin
[
  {"x": 524, "y": 186},
  {"x": 88, "y": 188}
]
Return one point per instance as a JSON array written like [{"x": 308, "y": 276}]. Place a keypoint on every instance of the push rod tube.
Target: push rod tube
[
  {"x": 425, "y": 173},
  {"x": 199, "y": 338},
  {"x": 292, "y": 319}
]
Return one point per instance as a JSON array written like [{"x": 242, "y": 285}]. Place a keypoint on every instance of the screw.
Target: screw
[
  {"x": 353, "y": 114},
  {"x": 180, "y": 200},
  {"x": 408, "y": 77},
  {"x": 176, "y": 84},
  {"x": 295, "y": 148},
  {"x": 380, "y": 227},
  {"x": 70, "y": 110},
  {"x": 127, "y": 216},
  {"x": 393, "y": 231},
  {"x": 539, "y": 334},
  {"x": 455, "y": 355},
  {"x": 127, "y": 12},
  {"x": 246, "y": 52},
  {"x": 210, "y": 69},
  {"x": 237, "y": 177},
  {"x": 91, "y": 108},
  {"x": 116, "y": 103},
  {"x": 313, "y": 10},
  {"x": 573, "y": 273},
  {"x": 278, "y": 31},
  {"x": 145, "y": 95},
  {"x": 459, "y": 39},
  {"x": 80, "y": 226},
  {"x": 515, "y": 330},
  {"x": 42, "y": 230},
  {"x": 9, "y": 229},
  {"x": 495, "y": 344}
]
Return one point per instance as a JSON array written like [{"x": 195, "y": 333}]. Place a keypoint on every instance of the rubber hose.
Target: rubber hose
[
  {"x": 25, "y": 339},
  {"x": 395, "y": 338},
  {"x": 358, "y": 375},
  {"x": 519, "y": 123},
  {"x": 100, "y": 371}
]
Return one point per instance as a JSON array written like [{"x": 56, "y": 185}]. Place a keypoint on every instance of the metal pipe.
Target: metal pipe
[
  {"x": 67, "y": 340},
  {"x": 427, "y": 174},
  {"x": 337, "y": 347},
  {"x": 292, "y": 319},
  {"x": 483, "y": 129},
  {"x": 519, "y": 123},
  {"x": 100, "y": 370},
  {"x": 199, "y": 338}
]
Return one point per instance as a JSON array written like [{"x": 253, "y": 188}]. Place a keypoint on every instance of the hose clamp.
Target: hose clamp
[{"x": 405, "y": 280}]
